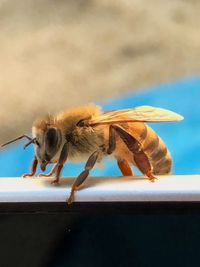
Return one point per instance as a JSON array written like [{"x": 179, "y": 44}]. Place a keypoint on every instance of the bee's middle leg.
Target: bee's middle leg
[
  {"x": 83, "y": 175},
  {"x": 60, "y": 163}
]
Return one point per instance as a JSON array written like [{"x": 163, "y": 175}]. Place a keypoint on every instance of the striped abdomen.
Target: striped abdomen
[{"x": 154, "y": 147}]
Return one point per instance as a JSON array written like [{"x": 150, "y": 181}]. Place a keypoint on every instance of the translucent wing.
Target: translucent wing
[{"x": 142, "y": 113}]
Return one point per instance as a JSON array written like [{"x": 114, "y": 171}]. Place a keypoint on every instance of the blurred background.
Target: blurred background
[{"x": 117, "y": 53}]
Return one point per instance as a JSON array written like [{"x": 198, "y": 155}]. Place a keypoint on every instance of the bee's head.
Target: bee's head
[{"x": 47, "y": 142}]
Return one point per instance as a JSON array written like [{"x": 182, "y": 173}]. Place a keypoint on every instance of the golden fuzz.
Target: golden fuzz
[{"x": 85, "y": 111}]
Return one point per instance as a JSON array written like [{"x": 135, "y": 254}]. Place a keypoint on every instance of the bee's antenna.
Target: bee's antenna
[
  {"x": 30, "y": 142},
  {"x": 20, "y": 137}
]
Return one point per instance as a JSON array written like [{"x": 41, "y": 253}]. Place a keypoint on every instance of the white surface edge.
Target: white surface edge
[{"x": 99, "y": 189}]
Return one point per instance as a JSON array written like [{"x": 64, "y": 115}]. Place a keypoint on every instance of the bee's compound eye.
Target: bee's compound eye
[{"x": 51, "y": 137}]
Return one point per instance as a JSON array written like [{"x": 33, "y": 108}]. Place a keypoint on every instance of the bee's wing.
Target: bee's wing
[{"x": 142, "y": 113}]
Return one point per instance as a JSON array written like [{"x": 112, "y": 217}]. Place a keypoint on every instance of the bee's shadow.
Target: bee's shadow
[{"x": 93, "y": 181}]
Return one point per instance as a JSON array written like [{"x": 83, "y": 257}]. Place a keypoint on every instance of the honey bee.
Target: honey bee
[{"x": 87, "y": 133}]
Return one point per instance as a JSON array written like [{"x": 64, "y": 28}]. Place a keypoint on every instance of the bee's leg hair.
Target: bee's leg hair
[
  {"x": 61, "y": 161},
  {"x": 53, "y": 170},
  {"x": 33, "y": 168},
  {"x": 83, "y": 175},
  {"x": 139, "y": 156}
]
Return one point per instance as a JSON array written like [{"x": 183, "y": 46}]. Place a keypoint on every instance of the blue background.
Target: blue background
[{"x": 182, "y": 138}]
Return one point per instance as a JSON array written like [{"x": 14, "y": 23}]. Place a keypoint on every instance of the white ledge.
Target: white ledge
[{"x": 100, "y": 189}]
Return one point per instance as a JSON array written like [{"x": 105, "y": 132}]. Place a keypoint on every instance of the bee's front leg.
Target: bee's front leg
[
  {"x": 53, "y": 170},
  {"x": 60, "y": 163},
  {"x": 33, "y": 168}
]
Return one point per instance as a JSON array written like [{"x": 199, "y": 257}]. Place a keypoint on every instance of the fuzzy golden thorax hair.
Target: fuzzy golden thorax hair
[{"x": 68, "y": 119}]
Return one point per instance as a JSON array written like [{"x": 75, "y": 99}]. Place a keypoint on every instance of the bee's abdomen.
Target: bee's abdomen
[
  {"x": 153, "y": 146},
  {"x": 157, "y": 152}
]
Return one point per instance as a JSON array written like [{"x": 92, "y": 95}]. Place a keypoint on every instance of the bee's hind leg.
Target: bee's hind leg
[
  {"x": 139, "y": 156},
  {"x": 122, "y": 163},
  {"x": 124, "y": 167},
  {"x": 83, "y": 175}
]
